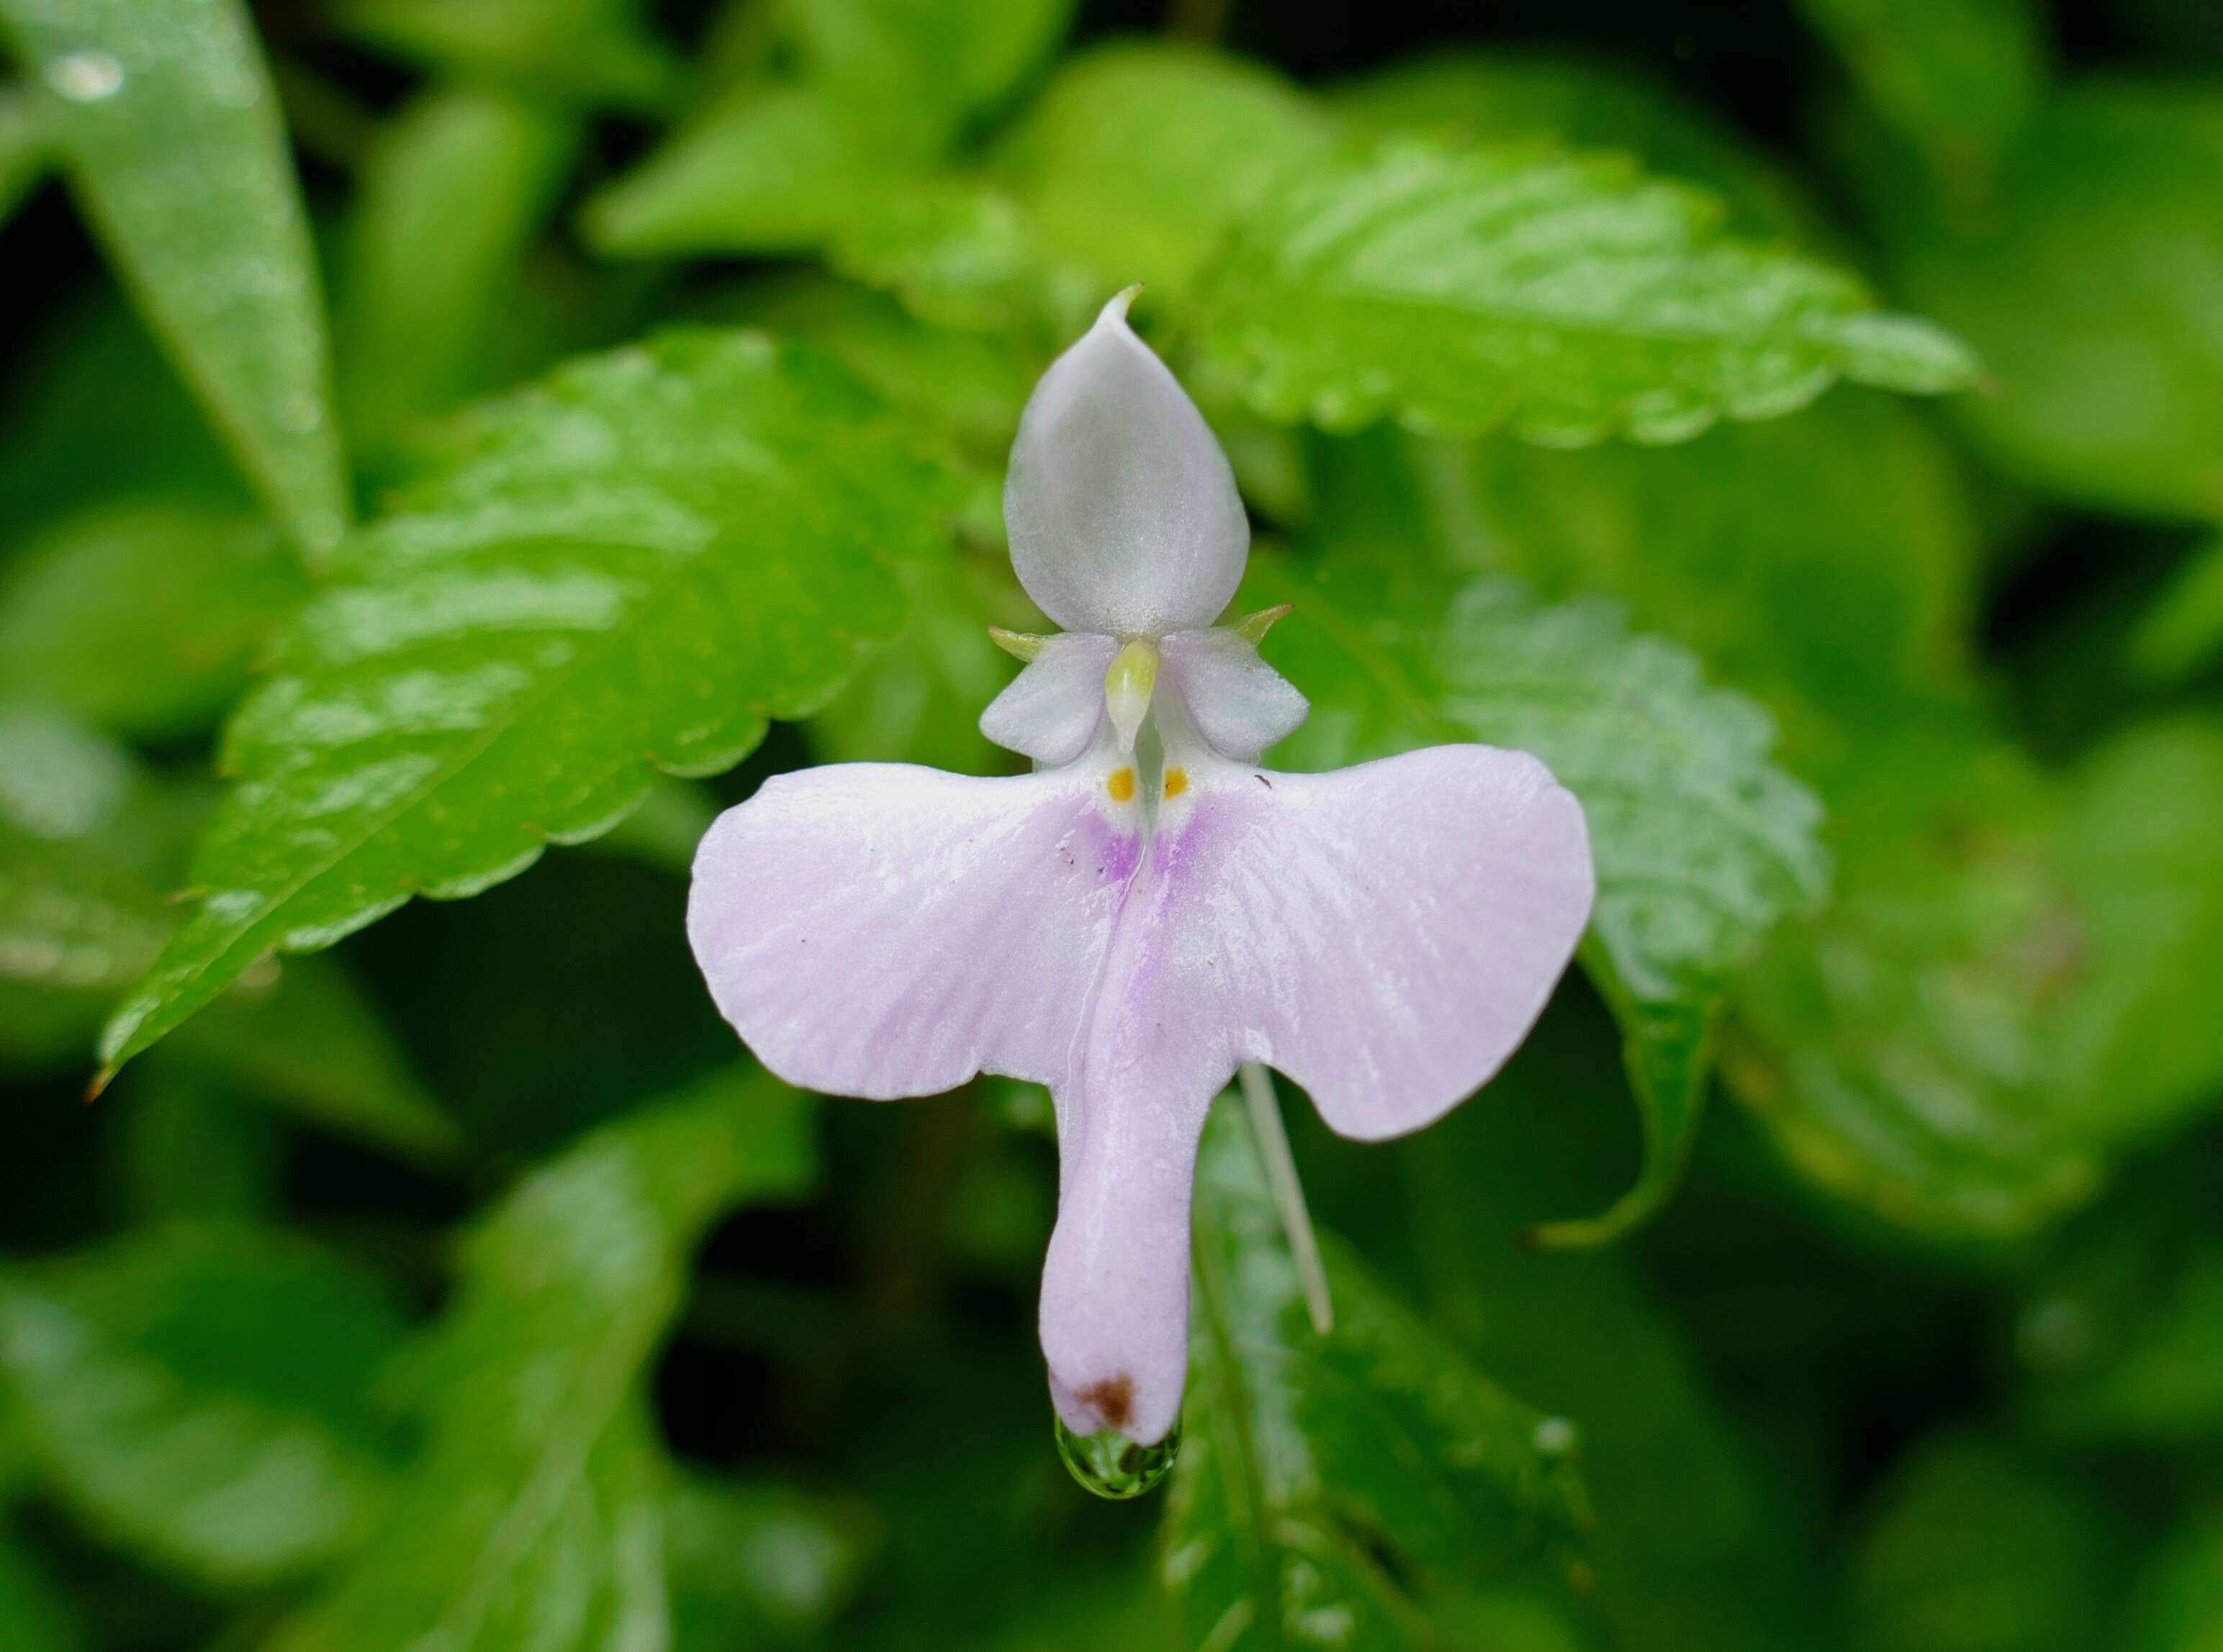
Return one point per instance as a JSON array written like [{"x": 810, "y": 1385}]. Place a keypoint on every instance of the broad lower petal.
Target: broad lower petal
[
  {"x": 1385, "y": 934},
  {"x": 1051, "y": 711},
  {"x": 880, "y": 929},
  {"x": 1122, "y": 513}
]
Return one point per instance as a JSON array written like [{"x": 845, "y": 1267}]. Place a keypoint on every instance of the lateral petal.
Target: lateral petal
[
  {"x": 1239, "y": 703},
  {"x": 1122, "y": 513},
  {"x": 1051, "y": 711},
  {"x": 881, "y": 930}
]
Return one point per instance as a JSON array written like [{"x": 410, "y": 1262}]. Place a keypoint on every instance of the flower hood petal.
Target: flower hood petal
[{"x": 1122, "y": 513}]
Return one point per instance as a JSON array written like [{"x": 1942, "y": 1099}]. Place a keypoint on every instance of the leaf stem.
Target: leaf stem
[{"x": 1288, "y": 1193}]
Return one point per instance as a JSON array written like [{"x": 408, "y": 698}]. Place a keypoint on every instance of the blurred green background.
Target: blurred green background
[{"x": 1801, "y": 421}]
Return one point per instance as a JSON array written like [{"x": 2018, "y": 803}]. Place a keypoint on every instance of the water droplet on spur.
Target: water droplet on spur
[{"x": 1112, "y": 1465}]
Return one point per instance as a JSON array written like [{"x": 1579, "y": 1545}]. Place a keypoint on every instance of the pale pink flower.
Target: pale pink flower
[{"x": 1149, "y": 908}]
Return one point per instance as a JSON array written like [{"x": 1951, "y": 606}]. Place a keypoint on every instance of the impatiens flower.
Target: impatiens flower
[{"x": 1149, "y": 908}]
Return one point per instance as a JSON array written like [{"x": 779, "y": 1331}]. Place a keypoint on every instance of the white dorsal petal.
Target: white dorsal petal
[
  {"x": 1239, "y": 703},
  {"x": 1051, "y": 711},
  {"x": 1122, "y": 513}
]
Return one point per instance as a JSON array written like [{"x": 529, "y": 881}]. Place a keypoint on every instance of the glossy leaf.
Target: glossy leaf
[
  {"x": 164, "y": 116},
  {"x": 627, "y": 570},
  {"x": 1512, "y": 94},
  {"x": 143, "y": 618},
  {"x": 204, "y": 1396},
  {"x": 1566, "y": 298},
  {"x": 460, "y": 183},
  {"x": 1894, "y": 1045},
  {"x": 533, "y": 1516},
  {"x": 1701, "y": 844},
  {"x": 1332, "y": 1490},
  {"x": 2105, "y": 358}
]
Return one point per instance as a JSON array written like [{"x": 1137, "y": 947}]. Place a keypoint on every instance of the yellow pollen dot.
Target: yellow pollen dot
[
  {"x": 1176, "y": 782},
  {"x": 1121, "y": 786}
]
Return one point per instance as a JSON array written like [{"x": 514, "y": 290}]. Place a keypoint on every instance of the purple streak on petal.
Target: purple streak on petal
[
  {"x": 1051, "y": 711},
  {"x": 879, "y": 929},
  {"x": 1385, "y": 934}
]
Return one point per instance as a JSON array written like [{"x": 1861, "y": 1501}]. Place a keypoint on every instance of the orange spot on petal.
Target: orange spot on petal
[
  {"x": 1121, "y": 786},
  {"x": 1176, "y": 782}
]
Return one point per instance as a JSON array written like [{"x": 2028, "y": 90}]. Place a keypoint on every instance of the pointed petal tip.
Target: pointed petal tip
[
  {"x": 1253, "y": 628},
  {"x": 1020, "y": 645},
  {"x": 101, "y": 1080},
  {"x": 1115, "y": 307}
]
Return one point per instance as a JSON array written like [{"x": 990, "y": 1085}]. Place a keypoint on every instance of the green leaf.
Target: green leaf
[
  {"x": 753, "y": 1561},
  {"x": 165, "y": 118},
  {"x": 459, "y": 184},
  {"x": 587, "y": 51},
  {"x": 189, "y": 1149},
  {"x": 2142, "y": 858},
  {"x": 25, "y": 153},
  {"x": 143, "y": 618},
  {"x": 1332, "y": 1490},
  {"x": 2179, "y": 1604},
  {"x": 80, "y": 911},
  {"x": 98, "y": 418},
  {"x": 1825, "y": 565},
  {"x": 1701, "y": 844},
  {"x": 2106, "y": 357},
  {"x": 962, "y": 255},
  {"x": 2119, "y": 1334},
  {"x": 879, "y": 91},
  {"x": 533, "y": 1517},
  {"x": 1698, "y": 1544},
  {"x": 918, "y": 699},
  {"x": 34, "y": 1615},
  {"x": 202, "y": 1396},
  {"x": 628, "y": 569},
  {"x": 1894, "y": 1045},
  {"x": 1564, "y": 297},
  {"x": 1958, "y": 78},
  {"x": 1971, "y": 1546},
  {"x": 89, "y": 848},
  {"x": 2182, "y": 633},
  {"x": 1511, "y": 94},
  {"x": 1136, "y": 157}
]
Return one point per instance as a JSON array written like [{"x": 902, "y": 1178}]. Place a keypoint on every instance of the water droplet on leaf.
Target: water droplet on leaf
[
  {"x": 1554, "y": 1437},
  {"x": 85, "y": 77},
  {"x": 1112, "y": 1465}
]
